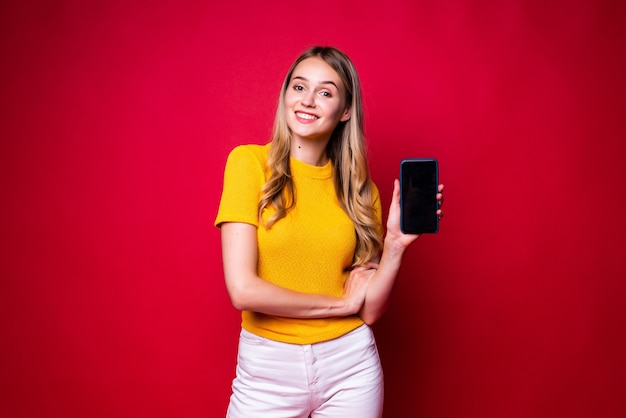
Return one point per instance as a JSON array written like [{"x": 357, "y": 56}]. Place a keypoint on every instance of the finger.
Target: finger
[
  {"x": 395, "y": 198},
  {"x": 440, "y": 188},
  {"x": 439, "y": 199},
  {"x": 440, "y": 214}
]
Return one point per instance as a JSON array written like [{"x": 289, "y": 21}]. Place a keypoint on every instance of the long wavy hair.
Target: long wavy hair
[{"x": 347, "y": 151}]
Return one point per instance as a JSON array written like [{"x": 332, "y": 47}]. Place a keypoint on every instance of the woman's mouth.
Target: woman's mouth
[{"x": 307, "y": 117}]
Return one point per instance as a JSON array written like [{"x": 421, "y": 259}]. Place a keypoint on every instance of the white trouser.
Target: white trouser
[{"x": 336, "y": 378}]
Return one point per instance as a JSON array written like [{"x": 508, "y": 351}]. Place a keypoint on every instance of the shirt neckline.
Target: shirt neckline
[{"x": 313, "y": 171}]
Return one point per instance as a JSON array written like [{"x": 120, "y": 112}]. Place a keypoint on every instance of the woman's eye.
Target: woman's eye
[
  {"x": 326, "y": 93},
  {"x": 298, "y": 88}
]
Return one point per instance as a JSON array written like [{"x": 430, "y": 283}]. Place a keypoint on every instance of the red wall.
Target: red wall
[{"x": 115, "y": 124}]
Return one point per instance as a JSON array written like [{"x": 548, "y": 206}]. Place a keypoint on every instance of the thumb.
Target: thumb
[{"x": 395, "y": 198}]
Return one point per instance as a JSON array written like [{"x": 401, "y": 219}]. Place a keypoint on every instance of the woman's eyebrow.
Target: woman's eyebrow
[{"x": 298, "y": 77}]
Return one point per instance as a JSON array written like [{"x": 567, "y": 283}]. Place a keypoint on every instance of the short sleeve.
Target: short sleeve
[{"x": 244, "y": 176}]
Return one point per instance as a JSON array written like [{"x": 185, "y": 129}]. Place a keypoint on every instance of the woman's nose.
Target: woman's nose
[{"x": 308, "y": 99}]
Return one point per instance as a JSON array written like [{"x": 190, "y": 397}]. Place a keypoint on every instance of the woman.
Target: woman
[{"x": 303, "y": 253}]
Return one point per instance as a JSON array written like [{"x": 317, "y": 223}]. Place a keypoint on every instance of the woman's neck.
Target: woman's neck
[{"x": 309, "y": 152}]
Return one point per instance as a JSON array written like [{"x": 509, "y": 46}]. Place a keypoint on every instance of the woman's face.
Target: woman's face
[{"x": 314, "y": 101}]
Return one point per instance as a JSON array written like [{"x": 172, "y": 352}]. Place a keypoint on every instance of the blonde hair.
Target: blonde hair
[{"x": 347, "y": 151}]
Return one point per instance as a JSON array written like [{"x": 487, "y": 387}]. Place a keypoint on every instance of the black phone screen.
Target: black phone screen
[{"x": 419, "y": 178}]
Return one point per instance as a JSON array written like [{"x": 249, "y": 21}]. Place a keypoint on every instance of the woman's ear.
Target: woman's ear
[{"x": 346, "y": 114}]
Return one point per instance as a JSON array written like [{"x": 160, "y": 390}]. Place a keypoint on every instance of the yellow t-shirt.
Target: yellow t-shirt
[{"x": 310, "y": 250}]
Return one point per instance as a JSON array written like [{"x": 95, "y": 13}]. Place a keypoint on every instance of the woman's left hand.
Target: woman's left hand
[{"x": 393, "y": 221}]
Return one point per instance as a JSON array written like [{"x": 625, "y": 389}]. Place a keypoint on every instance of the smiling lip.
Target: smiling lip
[{"x": 306, "y": 117}]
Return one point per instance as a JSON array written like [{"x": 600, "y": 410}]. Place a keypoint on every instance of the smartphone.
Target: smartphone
[{"x": 419, "y": 180}]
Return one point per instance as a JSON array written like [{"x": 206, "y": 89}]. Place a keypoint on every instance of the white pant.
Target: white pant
[{"x": 336, "y": 378}]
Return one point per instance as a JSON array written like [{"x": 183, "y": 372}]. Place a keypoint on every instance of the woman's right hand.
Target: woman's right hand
[{"x": 356, "y": 286}]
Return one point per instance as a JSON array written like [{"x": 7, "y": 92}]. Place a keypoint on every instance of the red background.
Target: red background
[{"x": 116, "y": 120}]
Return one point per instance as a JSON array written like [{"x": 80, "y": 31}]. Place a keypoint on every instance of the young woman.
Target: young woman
[{"x": 303, "y": 252}]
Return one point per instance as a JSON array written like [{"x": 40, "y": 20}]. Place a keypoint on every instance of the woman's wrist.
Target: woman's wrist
[
  {"x": 348, "y": 306},
  {"x": 393, "y": 247}
]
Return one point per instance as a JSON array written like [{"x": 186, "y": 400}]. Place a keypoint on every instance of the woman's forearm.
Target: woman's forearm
[
  {"x": 258, "y": 295},
  {"x": 395, "y": 244},
  {"x": 249, "y": 292},
  {"x": 382, "y": 282}
]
